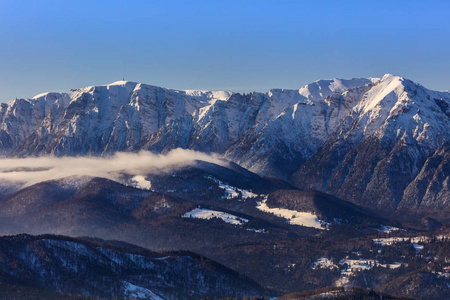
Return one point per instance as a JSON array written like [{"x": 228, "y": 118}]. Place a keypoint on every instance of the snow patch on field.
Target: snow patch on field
[
  {"x": 136, "y": 292},
  {"x": 140, "y": 182},
  {"x": 350, "y": 267},
  {"x": 356, "y": 265},
  {"x": 293, "y": 217},
  {"x": 414, "y": 240},
  {"x": 388, "y": 229},
  {"x": 324, "y": 263},
  {"x": 257, "y": 230},
  {"x": 232, "y": 191},
  {"x": 391, "y": 240},
  {"x": 342, "y": 281},
  {"x": 203, "y": 213},
  {"x": 417, "y": 247},
  {"x": 247, "y": 194}
]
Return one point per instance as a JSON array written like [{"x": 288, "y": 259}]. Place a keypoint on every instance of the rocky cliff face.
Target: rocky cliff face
[
  {"x": 96, "y": 120},
  {"x": 371, "y": 141}
]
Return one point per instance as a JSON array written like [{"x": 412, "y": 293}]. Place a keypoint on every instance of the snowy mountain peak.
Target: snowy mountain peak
[
  {"x": 389, "y": 76},
  {"x": 395, "y": 106},
  {"x": 322, "y": 88},
  {"x": 43, "y": 95},
  {"x": 385, "y": 86}
]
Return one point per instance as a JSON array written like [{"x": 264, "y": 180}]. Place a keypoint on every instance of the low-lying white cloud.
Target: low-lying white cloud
[{"x": 32, "y": 170}]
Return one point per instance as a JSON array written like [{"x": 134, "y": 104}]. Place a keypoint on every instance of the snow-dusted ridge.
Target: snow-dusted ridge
[{"x": 124, "y": 114}]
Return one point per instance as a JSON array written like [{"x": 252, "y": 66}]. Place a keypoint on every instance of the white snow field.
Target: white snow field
[
  {"x": 140, "y": 182},
  {"x": 136, "y": 292},
  {"x": 232, "y": 191},
  {"x": 293, "y": 217},
  {"x": 203, "y": 213}
]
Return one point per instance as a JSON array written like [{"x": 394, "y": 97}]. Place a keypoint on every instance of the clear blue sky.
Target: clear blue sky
[{"x": 219, "y": 45}]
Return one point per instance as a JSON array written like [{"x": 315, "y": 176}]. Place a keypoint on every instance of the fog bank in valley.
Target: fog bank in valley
[{"x": 31, "y": 170}]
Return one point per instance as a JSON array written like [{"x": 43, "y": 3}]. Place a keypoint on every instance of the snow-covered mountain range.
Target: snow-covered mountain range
[{"x": 378, "y": 142}]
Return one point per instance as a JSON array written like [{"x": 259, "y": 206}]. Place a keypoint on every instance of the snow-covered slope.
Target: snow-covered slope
[{"x": 380, "y": 147}]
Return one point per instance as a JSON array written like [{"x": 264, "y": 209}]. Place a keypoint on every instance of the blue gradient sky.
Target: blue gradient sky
[{"x": 219, "y": 45}]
